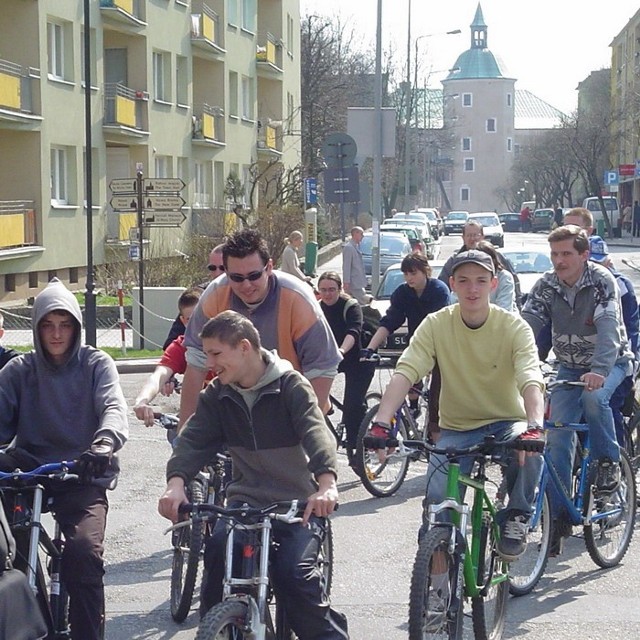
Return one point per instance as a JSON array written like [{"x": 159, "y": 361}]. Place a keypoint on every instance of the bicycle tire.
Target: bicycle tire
[
  {"x": 422, "y": 592},
  {"x": 224, "y": 621},
  {"x": 186, "y": 558},
  {"x": 632, "y": 437},
  {"x": 380, "y": 479},
  {"x": 488, "y": 611},
  {"x": 608, "y": 539},
  {"x": 525, "y": 574}
]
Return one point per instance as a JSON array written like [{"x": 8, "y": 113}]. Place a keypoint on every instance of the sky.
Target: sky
[{"x": 549, "y": 46}]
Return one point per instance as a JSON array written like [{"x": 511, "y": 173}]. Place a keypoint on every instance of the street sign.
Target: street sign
[
  {"x": 310, "y": 190},
  {"x": 134, "y": 252},
  {"x": 341, "y": 185},
  {"x": 163, "y": 184},
  {"x": 339, "y": 150},
  {"x": 124, "y": 203},
  {"x": 164, "y": 218},
  {"x": 162, "y": 203},
  {"x": 611, "y": 177},
  {"x": 123, "y": 185},
  {"x": 626, "y": 169}
]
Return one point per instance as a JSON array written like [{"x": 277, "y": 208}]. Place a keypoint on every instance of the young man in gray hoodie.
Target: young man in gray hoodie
[
  {"x": 63, "y": 401},
  {"x": 267, "y": 415}
]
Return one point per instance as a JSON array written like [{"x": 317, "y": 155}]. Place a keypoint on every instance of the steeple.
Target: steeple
[{"x": 478, "y": 30}]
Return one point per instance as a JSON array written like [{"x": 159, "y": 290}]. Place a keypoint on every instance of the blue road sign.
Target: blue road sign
[
  {"x": 611, "y": 177},
  {"x": 310, "y": 190}
]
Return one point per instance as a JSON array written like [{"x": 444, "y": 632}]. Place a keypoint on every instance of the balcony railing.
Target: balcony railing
[
  {"x": 206, "y": 31},
  {"x": 119, "y": 226},
  {"x": 269, "y": 141},
  {"x": 16, "y": 90},
  {"x": 125, "y": 107},
  {"x": 126, "y": 11},
  {"x": 269, "y": 52},
  {"x": 18, "y": 223},
  {"x": 208, "y": 125}
]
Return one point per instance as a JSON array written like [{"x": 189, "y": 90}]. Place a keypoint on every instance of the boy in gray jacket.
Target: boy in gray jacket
[{"x": 63, "y": 401}]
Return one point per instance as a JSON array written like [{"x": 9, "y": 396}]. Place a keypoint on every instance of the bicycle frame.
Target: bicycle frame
[{"x": 460, "y": 513}]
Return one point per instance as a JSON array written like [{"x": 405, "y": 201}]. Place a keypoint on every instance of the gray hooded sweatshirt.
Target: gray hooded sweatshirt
[{"x": 53, "y": 412}]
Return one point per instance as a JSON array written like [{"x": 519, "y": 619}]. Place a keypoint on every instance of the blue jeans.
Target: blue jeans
[
  {"x": 521, "y": 481},
  {"x": 570, "y": 405}
]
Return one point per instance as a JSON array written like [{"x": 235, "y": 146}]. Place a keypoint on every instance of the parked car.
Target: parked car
[
  {"x": 422, "y": 229},
  {"x": 434, "y": 218},
  {"x": 413, "y": 234},
  {"x": 420, "y": 218},
  {"x": 393, "y": 247},
  {"x": 392, "y": 279},
  {"x": 455, "y": 221},
  {"x": 529, "y": 265},
  {"x": 510, "y": 221},
  {"x": 491, "y": 227},
  {"x": 542, "y": 220}
]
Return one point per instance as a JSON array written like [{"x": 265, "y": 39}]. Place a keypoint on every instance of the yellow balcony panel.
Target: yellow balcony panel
[
  {"x": 270, "y": 137},
  {"x": 13, "y": 230},
  {"x": 208, "y": 28},
  {"x": 10, "y": 91},
  {"x": 127, "y": 222},
  {"x": 125, "y": 111},
  {"x": 127, "y": 12},
  {"x": 208, "y": 126}
]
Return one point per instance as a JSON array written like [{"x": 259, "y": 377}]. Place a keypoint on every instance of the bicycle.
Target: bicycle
[
  {"x": 607, "y": 520},
  {"x": 188, "y": 541},
  {"x": 245, "y": 610},
  {"x": 23, "y": 495},
  {"x": 383, "y": 479},
  {"x": 338, "y": 430},
  {"x": 463, "y": 549}
]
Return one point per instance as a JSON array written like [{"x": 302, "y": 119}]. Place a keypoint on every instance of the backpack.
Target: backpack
[{"x": 370, "y": 321}]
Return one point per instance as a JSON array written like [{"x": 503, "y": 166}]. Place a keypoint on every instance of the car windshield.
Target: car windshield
[
  {"x": 457, "y": 216},
  {"x": 529, "y": 261},
  {"x": 486, "y": 221},
  {"x": 396, "y": 245},
  {"x": 410, "y": 231},
  {"x": 393, "y": 278}
]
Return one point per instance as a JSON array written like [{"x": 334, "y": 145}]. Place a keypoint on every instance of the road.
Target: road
[{"x": 375, "y": 541}]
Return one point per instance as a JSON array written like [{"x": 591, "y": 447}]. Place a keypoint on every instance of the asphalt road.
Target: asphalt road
[{"x": 375, "y": 541}]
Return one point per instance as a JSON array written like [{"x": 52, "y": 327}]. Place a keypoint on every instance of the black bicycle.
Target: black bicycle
[{"x": 39, "y": 553}]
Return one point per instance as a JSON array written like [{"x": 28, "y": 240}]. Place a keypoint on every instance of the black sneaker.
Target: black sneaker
[
  {"x": 607, "y": 476},
  {"x": 513, "y": 537},
  {"x": 560, "y": 529}
]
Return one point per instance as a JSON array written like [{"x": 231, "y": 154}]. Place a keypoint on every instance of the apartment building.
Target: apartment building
[{"x": 191, "y": 89}]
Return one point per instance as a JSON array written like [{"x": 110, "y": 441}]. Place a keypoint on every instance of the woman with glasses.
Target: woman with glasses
[{"x": 344, "y": 315}]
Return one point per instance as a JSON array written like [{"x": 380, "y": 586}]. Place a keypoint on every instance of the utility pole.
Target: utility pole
[
  {"x": 377, "y": 156},
  {"x": 407, "y": 120}
]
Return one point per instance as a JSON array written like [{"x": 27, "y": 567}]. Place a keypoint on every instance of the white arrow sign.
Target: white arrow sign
[
  {"x": 163, "y": 184},
  {"x": 124, "y": 203},
  {"x": 123, "y": 185},
  {"x": 162, "y": 203},
  {"x": 160, "y": 218}
]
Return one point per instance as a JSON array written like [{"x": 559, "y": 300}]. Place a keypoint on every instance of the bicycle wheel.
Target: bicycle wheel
[
  {"x": 488, "y": 610},
  {"x": 527, "y": 571},
  {"x": 380, "y": 479},
  {"x": 436, "y": 609},
  {"x": 187, "y": 544},
  {"x": 225, "y": 621},
  {"x": 632, "y": 437},
  {"x": 609, "y": 533}
]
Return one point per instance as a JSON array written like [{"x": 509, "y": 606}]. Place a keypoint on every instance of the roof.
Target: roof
[{"x": 532, "y": 112}]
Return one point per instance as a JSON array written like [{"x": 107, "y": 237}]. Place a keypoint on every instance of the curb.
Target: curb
[{"x": 140, "y": 365}]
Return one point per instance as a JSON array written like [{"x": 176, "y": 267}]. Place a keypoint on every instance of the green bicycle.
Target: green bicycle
[{"x": 457, "y": 559}]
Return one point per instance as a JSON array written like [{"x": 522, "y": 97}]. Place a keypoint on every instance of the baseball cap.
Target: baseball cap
[
  {"x": 598, "y": 250},
  {"x": 473, "y": 256}
]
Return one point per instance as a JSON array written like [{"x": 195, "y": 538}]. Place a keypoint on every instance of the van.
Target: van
[
  {"x": 528, "y": 203},
  {"x": 611, "y": 205}
]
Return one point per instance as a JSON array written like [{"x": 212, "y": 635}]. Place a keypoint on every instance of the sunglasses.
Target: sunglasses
[
  {"x": 215, "y": 267},
  {"x": 252, "y": 277}
]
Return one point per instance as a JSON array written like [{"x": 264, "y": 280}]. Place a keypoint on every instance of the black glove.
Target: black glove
[
  {"x": 368, "y": 355},
  {"x": 94, "y": 462},
  {"x": 532, "y": 440}
]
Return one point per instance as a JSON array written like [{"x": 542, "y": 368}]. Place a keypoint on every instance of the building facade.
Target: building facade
[{"x": 190, "y": 89}]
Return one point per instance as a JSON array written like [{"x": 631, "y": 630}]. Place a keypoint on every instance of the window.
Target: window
[
  {"x": 491, "y": 125},
  {"x": 163, "y": 167},
  {"x": 249, "y": 14},
  {"x": 247, "y": 98},
  {"x": 201, "y": 195},
  {"x": 466, "y": 144},
  {"x": 465, "y": 194},
  {"x": 182, "y": 80},
  {"x": 509, "y": 99},
  {"x": 467, "y": 100},
  {"x": 10, "y": 282},
  {"x": 232, "y": 12},
  {"x": 60, "y": 63},
  {"x": 290, "y": 111},
  {"x": 468, "y": 164},
  {"x": 59, "y": 179},
  {"x": 509, "y": 145},
  {"x": 161, "y": 76},
  {"x": 233, "y": 94},
  {"x": 289, "y": 34},
  {"x": 51, "y": 275},
  {"x": 73, "y": 275},
  {"x": 33, "y": 280}
]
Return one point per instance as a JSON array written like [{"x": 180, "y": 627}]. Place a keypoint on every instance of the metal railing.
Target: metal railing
[
  {"x": 209, "y": 124},
  {"x": 18, "y": 223},
  {"x": 15, "y": 87},
  {"x": 206, "y": 26},
  {"x": 124, "y": 106},
  {"x": 269, "y": 50}
]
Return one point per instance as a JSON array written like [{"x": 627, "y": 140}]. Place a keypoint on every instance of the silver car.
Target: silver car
[{"x": 393, "y": 248}]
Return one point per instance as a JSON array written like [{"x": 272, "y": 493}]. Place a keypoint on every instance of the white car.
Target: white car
[{"x": 491, "y": 227}]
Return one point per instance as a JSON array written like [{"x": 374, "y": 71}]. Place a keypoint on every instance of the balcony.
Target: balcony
[
  {"x": 125, "y": 114},
  {"x": 16, "y": 103},
  {"x": 269, "y": 56},
  {"x": 206, "y": 33},
  {"x": 208, "y": 127},
  {"x": 269, "y": 142},
  {"x": 123, "y": 14},
  {"x": 19, "y": 229},
  {"x": 121, "y": 227}
]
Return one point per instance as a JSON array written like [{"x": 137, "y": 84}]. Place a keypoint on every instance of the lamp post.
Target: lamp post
[{"x": 377, "y": 155}]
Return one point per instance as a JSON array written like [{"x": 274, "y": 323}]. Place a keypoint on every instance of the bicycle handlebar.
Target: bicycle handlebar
[
  {"x": 166, "y": 420},
  {"x": 52, "y": 470},
  {"x": 485, "y": 448}
]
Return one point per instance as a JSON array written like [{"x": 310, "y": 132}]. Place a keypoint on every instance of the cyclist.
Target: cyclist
[
  {"x": 413, "y": 301},
  {"x": 63, "y": 401},
  {"x": 491, "y": 383},
  {"x": 579, "y": 299},
  {"x": 5, "y": 353},
  {"x": 283, "y": 309},
  {"x": 267, "y": 415},
  {"x": 344, "y": 315}
]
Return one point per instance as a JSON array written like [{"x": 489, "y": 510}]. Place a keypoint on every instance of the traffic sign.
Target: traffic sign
[
  {"x": 341, "y": 185},
  {"x": 611, "y": 177},
  {"x": 162, "y": 203},
  {"x": 124, "y": 203},
  {"x": 164, "y": 218},
  {"x": 123, "y": 185},
  {"x": 339, "y": 150},
  {"x": 163, "y": 184},
  {"x": 310, "y": 190}
]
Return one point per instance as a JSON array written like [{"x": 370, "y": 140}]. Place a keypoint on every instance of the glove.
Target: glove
[
  {"x": 379, "y": 437},
  {"x": 531, "y": 440},
  {"x": 368, "y": 355},
  {"x": 94, "y": 462}
]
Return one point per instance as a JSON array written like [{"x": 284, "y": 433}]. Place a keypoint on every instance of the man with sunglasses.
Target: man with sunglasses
[
  {"x": 216, "y": 269},
  {"x": 281, "y": 307}
]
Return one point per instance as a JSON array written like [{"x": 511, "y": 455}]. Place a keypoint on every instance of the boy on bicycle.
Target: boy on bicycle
[
  {"x": 268, "y": 417},
  {"x": 63, "y": 401},
  {"x": 491, "y": 385}
]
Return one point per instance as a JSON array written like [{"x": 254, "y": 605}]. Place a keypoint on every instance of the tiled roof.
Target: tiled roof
[{"x": 532, "y": 112}]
